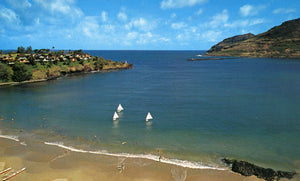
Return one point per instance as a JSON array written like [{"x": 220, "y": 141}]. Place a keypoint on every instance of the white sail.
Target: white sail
[
  {"x": 116, "y": 116},
  {"x": 120, "y": 108},
  {"x": 148, "y": 116}
]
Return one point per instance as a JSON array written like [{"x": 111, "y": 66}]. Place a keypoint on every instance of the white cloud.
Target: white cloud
[
  {"x": 193, "y": 29},
  {"x": 173, "y": 15},
  {"x": 90, "y": 27},
  {"x": 237, "y": 23},
  {"x": 178, "y": 25},
  {"x": 166, "y": 4},
  {"x": 199, "y": 12},
  {"x": 179, "y": 36},
  {"x": 122, "y": 16},
  {"x": 66, "y": 8},
  {"x": 104, "y": 16},
  {"x": 9, "y": 16},
  {"x": 132, "y": 35},
  {"x": 244, "y": 23},
  {"x": 256, "y": 22},
  {"x": 249, "y": 10},
  {"x": 137, "y": 23},
  {"x": 141, "y": 24},
  {"x": 246, "y": 10},
  {"x": 108, "y": 28},
  {"x": 211, "y": 35},
  {"x": 37, "y": 21},
  {"x": 139, "y": 38},
  {"x": 284, "y": 11},
  {"x": 55, "y": 6},
  {"x": 164, "y": 39},
  {"x": 219, "y": 19},
  {"x": 145, "y": 38},
  {"x": 19, "y": 4}
]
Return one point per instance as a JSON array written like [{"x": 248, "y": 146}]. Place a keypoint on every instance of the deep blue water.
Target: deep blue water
[{"x": 244, "y": 108}]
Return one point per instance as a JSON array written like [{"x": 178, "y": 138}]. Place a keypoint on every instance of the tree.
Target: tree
[
  {"x": 6, "y": 72},
  {"x": 76, "y": 52},
  {"x": 61, "y": 52},
  {"x": 98, "y": 63},
  {"x": 69, "y": 52},
  {"x": 29, "y": 50},
  {"x": 21, "y": 72},
  {"x": 31, "y": 59},
  {"x": 21, "y": 49}
]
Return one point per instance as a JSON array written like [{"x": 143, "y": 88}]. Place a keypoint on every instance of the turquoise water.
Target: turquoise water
[{"x": 245, "y": 108}]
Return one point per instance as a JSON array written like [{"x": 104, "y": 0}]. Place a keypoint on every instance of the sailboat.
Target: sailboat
[
  {"x": 120, "y": 108},
  {"x": 116, "y": 116},
  {"x": 148, "y": 116}
]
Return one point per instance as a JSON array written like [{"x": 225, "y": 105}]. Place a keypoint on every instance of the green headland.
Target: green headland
[
  {"x": 280, "y": 41},
  {"x": 27, "y": 65}
]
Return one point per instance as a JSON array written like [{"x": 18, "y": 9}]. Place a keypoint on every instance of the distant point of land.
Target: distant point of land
[{"x": 280, "y": 41}]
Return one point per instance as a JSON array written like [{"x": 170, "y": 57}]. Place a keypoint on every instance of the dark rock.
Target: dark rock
[
  {"x": 288, "y": 175},
  {"x": 248, "y": 169},
  {"x": 227, "y": 161}
]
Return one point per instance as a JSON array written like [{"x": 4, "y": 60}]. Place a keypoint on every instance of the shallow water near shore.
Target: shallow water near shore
[{"x": 244, "y": 108}]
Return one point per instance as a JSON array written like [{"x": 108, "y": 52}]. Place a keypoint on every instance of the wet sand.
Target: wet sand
[{"x": 46, "y": 162}]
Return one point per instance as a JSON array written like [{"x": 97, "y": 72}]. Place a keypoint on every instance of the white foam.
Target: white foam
[
  {"x": 182, "y": 163},
  {"x": 11, "y": 137},
  {"x": 23, "y": 143}
]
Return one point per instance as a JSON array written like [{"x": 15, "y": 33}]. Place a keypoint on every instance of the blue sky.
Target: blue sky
[{"x": 136, "y": 24}]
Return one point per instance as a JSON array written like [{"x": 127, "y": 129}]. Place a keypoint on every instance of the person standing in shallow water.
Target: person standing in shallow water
[{"x": 160, "y": 157}]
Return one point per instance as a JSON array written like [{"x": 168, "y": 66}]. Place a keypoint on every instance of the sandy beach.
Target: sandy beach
[{"x": 46, "y": 162}]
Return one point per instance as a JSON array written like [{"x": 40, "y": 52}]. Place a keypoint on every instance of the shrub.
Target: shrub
[
  {"x": 54, "y": 71},
  {"x": 21, "y": 72},
  {"x": 6, "y": 72}
]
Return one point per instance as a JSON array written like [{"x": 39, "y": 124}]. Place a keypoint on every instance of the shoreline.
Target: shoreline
[
  {"x": 24, "y": 144},
  {"x": 105, "y": 70},
  {"x": 48, "y": 162},
  {"x": 175, "y": 162}
]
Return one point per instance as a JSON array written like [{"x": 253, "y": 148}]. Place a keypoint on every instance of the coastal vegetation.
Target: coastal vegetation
[
  {"x": 281, "y": 41},
  {"x": 43, "y": 64}
]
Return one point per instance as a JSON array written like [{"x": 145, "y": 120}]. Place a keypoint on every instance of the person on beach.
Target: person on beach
[{"x": 160, "y": 157}]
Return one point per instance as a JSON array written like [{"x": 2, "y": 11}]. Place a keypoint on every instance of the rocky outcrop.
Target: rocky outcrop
[
  {"x": 248, "y": 169},
  {"x": 281, "y": 41}
]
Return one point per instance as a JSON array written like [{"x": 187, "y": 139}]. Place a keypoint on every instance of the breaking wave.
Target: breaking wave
[{"x": 182, "y": 163}]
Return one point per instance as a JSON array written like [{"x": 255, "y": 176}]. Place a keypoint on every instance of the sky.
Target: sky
[{"x": 136, "y": 24}]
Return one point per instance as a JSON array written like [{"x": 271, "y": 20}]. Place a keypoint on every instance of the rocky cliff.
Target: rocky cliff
[{"x": 280, "y": 41}]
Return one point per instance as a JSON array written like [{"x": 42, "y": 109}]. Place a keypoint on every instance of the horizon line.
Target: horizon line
[{"x": 105, "y": 49}]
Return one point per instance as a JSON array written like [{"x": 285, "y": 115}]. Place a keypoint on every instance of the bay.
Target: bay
[{"x": 242, "y": 108}]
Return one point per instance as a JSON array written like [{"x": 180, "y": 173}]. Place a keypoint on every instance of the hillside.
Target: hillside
[{"x": 281, "y": 41}]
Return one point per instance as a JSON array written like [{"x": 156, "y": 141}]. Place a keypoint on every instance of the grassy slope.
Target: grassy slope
[{"x": 280, "y": 41}]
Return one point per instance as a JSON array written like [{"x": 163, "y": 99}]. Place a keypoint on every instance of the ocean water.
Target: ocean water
[{"x": 242, "y": 108}]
